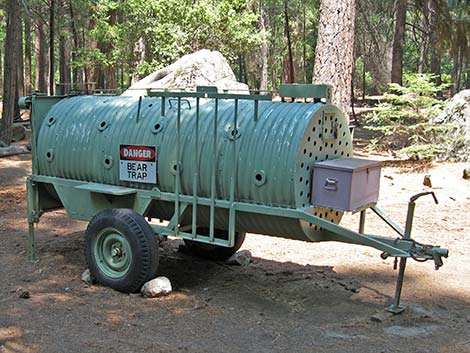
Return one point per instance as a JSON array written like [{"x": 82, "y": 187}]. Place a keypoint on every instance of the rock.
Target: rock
[
  {"x": 202, "y": 68},
  {"x": 24, "y": 294},
  {"x": 87, "y": 277},
  {"x": 241, "y": 258},
  {"x": 157, "y": 287},
  {"x": 457, "y": 115}
]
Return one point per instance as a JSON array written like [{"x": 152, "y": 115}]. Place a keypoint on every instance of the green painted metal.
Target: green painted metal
[
  {"x": 80, "y": 133},
  {"x": 112, "y": 252},
  {"x": 233, "y": 162},
  {"x": 306, "y": 91}
]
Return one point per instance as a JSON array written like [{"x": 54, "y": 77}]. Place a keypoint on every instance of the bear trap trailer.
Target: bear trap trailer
[{"x": 214, "y": 165}]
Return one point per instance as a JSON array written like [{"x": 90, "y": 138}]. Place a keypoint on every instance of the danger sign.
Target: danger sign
[{"x": 138, "y": 163}]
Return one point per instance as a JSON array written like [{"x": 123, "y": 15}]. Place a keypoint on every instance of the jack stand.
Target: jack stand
[
  {"x": 396, "y": 308},
  {"x": 33, "y": 217}
]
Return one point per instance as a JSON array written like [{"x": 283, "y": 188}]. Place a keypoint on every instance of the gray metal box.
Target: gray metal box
[{"x": 346, "y": 184}]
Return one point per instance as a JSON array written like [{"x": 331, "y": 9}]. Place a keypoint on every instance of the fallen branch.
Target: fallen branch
[{"x": 13, "y": 150}]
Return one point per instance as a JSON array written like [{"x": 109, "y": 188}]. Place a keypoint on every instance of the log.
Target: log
[{"x": 13, "y": 150}]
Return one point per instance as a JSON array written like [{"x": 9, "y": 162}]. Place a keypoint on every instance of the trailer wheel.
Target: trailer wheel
[
  {"x": 121, "y": 249},
  {"x": 214, "y": 252}
]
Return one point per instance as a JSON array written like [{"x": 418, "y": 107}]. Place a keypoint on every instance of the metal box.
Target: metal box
[{"x": 346, "y": 184}]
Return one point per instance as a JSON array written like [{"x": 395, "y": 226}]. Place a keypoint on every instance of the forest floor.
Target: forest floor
[{"x": 294, "y": 297}]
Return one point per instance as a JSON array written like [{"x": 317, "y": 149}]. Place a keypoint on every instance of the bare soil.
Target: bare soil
[{"x": 294, "y": 297}]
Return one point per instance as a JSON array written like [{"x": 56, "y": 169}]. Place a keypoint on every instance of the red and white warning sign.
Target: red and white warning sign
[{"x": 138, "y": 163}]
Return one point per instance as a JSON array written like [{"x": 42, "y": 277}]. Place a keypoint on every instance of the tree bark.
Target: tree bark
[
  {"x": 290, "y": 78},
  {"x": 435, "y": 63},
  {"x": 10, "y": 83},
  {"x": 40, "y": 52},
  {"x": 424, "y": 37},
  {"x": 77, "y": 78},
  {"x": 398, "y": 41},
  {"x": 20, "y": 58},
  {"x": 27, "y": 52},
  {"x": 334, "y": 51},
  {"x": 51, "y": 47},
  {"x": 263, "y": 86}
]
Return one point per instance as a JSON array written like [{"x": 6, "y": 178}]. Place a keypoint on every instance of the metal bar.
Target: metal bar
[
  {"x": 214, "y": 171},
  {"x": 178, "y": 171},
  {"x": 396, "y": 308},
  {"x": 256, "y": 109},
  {"x": 162, "y": 106},
  {"x": 362, "y": 221},
  {"x": 387, "y": 220},
  {"x": 209, "y": 95},
  {"x": 196, "y": 173},
  {"x": 32, "y": 217},
  {"x": 233, "y": 179},
  {"x": 138, "y": 110}
]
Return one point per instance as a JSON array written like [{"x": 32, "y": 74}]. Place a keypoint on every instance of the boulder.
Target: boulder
[
  {"x": 157, "y": 287},
  {"x": 202, "y": 68},
  {"x": 456, "y": 118}
]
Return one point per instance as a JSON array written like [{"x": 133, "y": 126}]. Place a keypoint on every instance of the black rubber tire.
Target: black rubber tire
[
  {"x": 214, "y": 252},
  {"x": 143, "y": 247}
]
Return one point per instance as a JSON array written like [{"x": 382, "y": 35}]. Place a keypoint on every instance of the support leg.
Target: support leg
[
  {"x": 396, "y": 308},
  {"x": 33, "y": 217}
]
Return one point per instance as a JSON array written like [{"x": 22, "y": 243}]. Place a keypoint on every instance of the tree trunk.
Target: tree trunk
[
  {"x": 290, "y": 62},
  {"x": 64, "y": 54},
  {"x": 27, "y": 52},
  {"x": 424, "y": 37},
  {"x": 10, "y": 88},
  {"x": 263, "y": 86},
  {"x": 51, "y": 47},
  {"x": 435, "y": 64},
  {"x": 40, "y": 52},
  {"x": 398, "y": 41},
  {"x": 77, "y": 78},
  {"x": 20, "y": 59},
  {"x": 334, "y": 51}
]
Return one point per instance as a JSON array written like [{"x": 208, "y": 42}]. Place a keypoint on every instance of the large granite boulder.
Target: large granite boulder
[
  {"x": 202, "y": 68},
  {"x": 456, "y": 120}
]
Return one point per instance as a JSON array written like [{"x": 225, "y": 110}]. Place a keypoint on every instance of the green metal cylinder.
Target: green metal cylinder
[{"x": 80, "y": 137}]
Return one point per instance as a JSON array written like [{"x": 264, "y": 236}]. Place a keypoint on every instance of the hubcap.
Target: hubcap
[{"x": 112, "y": 253}]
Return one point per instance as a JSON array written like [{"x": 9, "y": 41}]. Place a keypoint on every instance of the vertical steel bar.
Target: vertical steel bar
[
  {"x": 214, "y": 171},
  {"x": 178, "y": 167},
  {"x": 137, "y": 118},
  {"x": 233, "y": 179},
  {"x": 196, "y": 173},
  {"x": 32, "y": 214},
  {"x": 163, "y": 106}
]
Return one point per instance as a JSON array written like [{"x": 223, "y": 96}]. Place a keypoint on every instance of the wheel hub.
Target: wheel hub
[{"x": 112, "y": 252}]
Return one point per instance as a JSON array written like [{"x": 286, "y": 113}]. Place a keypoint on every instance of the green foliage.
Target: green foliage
[{"x": 404, "y": 118}]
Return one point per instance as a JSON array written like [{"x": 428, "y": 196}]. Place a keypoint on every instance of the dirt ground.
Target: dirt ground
[{"x": 294, "y": 297}]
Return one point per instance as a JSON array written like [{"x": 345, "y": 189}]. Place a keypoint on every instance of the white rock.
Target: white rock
[
  {"x": 202, "y": 68},
  {"x": 87, "y": 277},
  {"x": 457, "y": 113},
  {"x": 157, "y": 287},
  {"x": 241, "y": 258}
]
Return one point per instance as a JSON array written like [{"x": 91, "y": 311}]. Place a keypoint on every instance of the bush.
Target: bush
[{"x": 404, "y": 118}]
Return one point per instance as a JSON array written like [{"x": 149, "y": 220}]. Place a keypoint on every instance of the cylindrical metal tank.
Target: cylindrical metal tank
[{"x": 80, "y": 138}]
